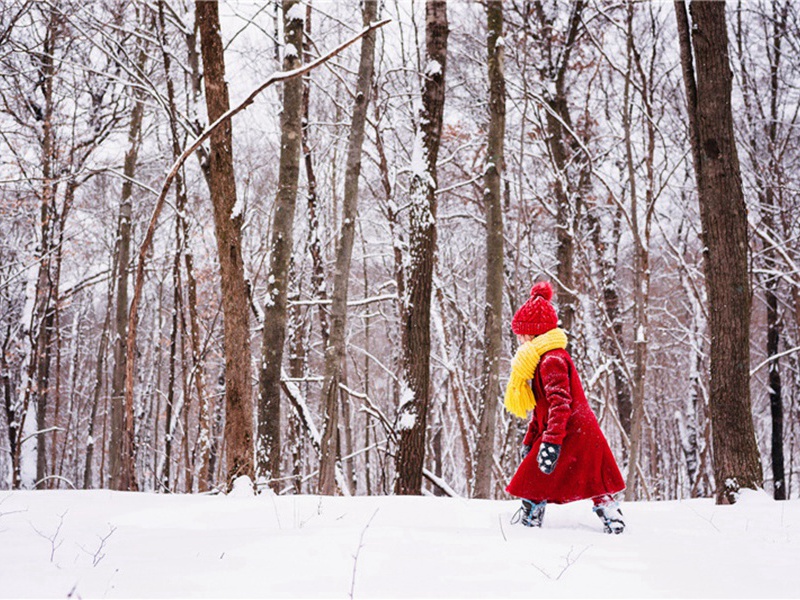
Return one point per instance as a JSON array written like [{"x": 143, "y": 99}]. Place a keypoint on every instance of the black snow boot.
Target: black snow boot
[
  {"x": 530, "y": 513},
  {"x": 611, "y": 516}
]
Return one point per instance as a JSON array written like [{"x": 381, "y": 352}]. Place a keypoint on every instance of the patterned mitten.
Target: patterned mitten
[{"x": 548, "y": 457}]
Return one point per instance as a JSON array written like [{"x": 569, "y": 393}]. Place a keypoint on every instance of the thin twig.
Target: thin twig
[
  {"x": 500, "y": 520},
  {"x": 53, "y": 539},
  {"x": 569, "y": 562},
  {"x": 358, "y": 551}
]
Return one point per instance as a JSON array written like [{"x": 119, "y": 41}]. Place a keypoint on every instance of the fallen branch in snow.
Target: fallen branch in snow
[
  {"x": 56, "y": 477},
  {"x": 440, "y": 483},
  {"x": 358, "y": 551}
]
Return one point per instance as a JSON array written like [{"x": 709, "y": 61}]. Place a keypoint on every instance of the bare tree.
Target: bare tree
[
  {"x": 122, "y": 260},
  {"x": 228, "y": 227},
  {"x": 413, "y": 411},
  {"x": 707, "y": 77},
  {"x": 335, "y": 350},
  {"x": 765, "y": 138},
  {"x": 268, "y": 451},
  {"x": 495, "y": 272}
]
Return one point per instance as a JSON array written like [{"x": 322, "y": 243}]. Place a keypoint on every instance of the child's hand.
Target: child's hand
[
  {"x": 548, "y": 457},
  {"x": 524, "y": 451}
]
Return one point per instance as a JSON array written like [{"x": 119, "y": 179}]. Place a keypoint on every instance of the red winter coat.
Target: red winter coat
[{"x": 586, "y": 466}]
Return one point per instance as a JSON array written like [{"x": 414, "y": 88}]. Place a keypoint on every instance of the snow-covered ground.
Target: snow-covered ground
[{"x": 97, "y": 544}]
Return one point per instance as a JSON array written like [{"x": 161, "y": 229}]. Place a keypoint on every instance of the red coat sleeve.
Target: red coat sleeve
[{"x": 555, "y": 380}]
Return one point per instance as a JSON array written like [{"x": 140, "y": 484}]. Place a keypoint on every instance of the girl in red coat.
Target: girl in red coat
[{"x": 565, "y": 454}]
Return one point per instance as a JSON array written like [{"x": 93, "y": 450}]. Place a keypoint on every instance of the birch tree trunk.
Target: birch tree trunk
[
  {"x": 268, "y": 450},
  {"x": 228, "y": 229},
  {"x": 723, "y": 218},
  {"x": 413, "y": 411},
  {"x": 492, "y": 197},
  {"x": 335, "y": 350}
]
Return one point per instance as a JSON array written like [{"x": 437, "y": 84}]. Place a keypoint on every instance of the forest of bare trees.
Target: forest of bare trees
[{"x": 284, "y": 239}]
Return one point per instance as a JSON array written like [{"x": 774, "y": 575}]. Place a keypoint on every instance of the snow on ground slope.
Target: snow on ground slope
[{"x": 97, "y": 544}]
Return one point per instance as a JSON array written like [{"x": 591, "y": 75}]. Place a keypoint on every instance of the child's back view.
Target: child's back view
[{"x": 565, "y": 454}]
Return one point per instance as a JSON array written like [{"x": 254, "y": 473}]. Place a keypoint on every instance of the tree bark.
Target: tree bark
[
  {"x": 42, "y": 318},
  {"x": 228, "y": 228},
  {"x": 335, "y": 350},
  {"x": 495, "y": 272},
  {"x": 182, "y": 233},
  {"x": 416, "y": 343},
  {"x": 268, "y": 450},
  {"x": 724, "y": 232},
  {"x": 123, "y": 250}
]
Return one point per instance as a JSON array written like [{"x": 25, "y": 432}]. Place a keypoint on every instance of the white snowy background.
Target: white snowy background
[{"x": 103, "y": 544}]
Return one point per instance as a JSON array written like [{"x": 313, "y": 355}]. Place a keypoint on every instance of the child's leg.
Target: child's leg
[
  {"x": 531, "y": 513},
  {"x": 603, "y": 499},
  {"x": 608, "y": 510}
]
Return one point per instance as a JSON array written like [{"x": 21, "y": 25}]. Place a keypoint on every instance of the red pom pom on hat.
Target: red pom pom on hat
[
  {"x": 537, "y": 315},
  {"x": 543, "y": 289}
]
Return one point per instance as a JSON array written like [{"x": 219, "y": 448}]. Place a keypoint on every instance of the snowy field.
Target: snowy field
[{"x": 98, "y": 544}]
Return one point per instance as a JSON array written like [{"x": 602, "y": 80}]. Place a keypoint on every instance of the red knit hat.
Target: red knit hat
[{"x": 537, "y": 315}]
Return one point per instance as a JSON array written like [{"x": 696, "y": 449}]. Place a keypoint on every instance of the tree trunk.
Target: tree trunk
[
  {"x": 228, "y": 229},
  {"x": 116, "y": 459},
  {"x": 495, "y": 272},
  {"x": 42, "y": 318},
  {"x": 641, "y": 239},
  {"x": 183, "y": 247},
  {"x": 413, "y": 410},
  {"x": 724, "y": 231},
  {"x": 275, "y": 311},
  {"x": 335, "y": 350}
]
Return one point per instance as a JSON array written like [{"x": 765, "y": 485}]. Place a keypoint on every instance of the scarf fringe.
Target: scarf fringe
[{"x": 519, "y": 398}]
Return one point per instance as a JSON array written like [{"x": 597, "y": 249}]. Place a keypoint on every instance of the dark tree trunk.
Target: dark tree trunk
[
  {"x": 275, "y": 312},
  {"x": 492, "y": 197},
  {"x": 228, "y": 228},
  {"x": 724, "y": 231},
  {"x": 413, "y": 411}
]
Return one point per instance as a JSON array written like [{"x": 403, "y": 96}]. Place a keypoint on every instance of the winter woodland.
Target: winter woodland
[{"x": 316, "y": 292}]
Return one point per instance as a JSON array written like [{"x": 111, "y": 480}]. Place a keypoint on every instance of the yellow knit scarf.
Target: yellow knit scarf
[{"x": 519, "y": 396}]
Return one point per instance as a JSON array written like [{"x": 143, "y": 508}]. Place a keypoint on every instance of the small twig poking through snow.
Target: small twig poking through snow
[
  {"x": 500, "y": 520},
  {"x": 709, "y": 521},
  {"x": 358, "y": 551},
  {"x": 568, "y": 560},
  {"x": 10, "y": 512},
  {"x": 55, "y": 543},
  {"x": 98, "y": 554}
]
